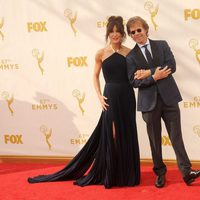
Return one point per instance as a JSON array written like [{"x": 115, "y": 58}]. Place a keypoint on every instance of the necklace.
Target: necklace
[{"x": 114, "y": 49}]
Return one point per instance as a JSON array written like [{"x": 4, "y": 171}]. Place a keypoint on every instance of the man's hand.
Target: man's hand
[{"x": 161, "y": 73}]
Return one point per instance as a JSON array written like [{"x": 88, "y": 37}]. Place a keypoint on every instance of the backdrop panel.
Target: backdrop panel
[{"x": 48, "y": 105}]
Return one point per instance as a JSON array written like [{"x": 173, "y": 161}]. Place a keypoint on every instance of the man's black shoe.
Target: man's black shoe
[
  {"x": 191, "y": 176},
  {"x": 160, "y": 181}
]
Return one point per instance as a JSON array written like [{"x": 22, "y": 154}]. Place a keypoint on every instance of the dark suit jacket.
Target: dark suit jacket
[{"x": 148, "y": 88}]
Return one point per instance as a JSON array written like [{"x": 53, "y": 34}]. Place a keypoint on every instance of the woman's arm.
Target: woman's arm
[{"x": 97, "y": 69}]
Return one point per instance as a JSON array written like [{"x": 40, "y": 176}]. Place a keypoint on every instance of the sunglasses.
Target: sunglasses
[{"x": 139, "y": 30}]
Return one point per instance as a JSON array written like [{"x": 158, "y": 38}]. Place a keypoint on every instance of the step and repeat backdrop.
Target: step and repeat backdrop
[{"x": 48, "y": 105}]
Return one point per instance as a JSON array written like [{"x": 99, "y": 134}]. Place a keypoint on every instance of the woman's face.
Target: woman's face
[{"x": 115, "y": 36}]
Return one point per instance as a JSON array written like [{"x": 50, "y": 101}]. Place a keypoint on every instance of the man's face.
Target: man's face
[{"x": 138, "y": 33}]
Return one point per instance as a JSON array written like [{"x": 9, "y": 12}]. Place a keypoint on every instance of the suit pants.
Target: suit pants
[{"x": 171, "y": 117}]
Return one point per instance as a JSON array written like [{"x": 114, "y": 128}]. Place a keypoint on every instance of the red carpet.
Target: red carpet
[{"x": 13, "y": 186}]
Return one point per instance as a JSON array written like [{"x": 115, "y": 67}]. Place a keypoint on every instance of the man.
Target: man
[{"x": 150, "y": 67}]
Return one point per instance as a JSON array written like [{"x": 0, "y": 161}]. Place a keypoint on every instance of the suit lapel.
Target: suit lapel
[
  {"x": 142, "y": 63},
  {"x": 155, "y": 53},
  {"x": 140, "y": 57}
]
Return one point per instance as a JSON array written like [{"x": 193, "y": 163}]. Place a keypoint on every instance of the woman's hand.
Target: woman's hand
[
  {"x": 142, "y": 74},
  {"x": 102, "y": 100}
]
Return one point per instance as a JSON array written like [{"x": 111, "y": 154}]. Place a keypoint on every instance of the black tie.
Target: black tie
[{"x": 148, "y": 56}]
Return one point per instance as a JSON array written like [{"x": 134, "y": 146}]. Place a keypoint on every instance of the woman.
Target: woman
[{"x": 112, "y": 150}]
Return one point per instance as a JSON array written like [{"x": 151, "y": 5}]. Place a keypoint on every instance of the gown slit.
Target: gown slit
[
  {"x": 114, "y": 132},
  {"x": 111, "y": 155}
]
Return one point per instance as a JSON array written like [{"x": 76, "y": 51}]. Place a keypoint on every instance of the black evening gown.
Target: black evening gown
[{"x": 108, "y": 160}]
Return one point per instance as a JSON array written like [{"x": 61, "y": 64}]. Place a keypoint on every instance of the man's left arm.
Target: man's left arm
[{"x": 167, "y": 58}]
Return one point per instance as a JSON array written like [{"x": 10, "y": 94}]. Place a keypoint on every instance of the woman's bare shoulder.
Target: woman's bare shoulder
[
  {"x": 126, "y": 50},
  {"x": 100, "y": 53}
]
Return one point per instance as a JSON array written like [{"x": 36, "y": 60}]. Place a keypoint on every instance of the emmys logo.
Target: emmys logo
[
  {"x": 82, "y": 139},
  {"x": 72, "y": 19},
  {"x": 152, "y": 11},
  {"x": 6, "y": 64},
  {"x": 1, "y": 26},
  {"x": 102, "y": 24},
  {"x": 77, "y": 61},
  {"x": 166, "y": 141},
  {"x": 196, "y": 130},
  {"x": 192, "y": 104},
  {"x": 9, "y": 99},
  {"x": 80, "y": 99},
  {"x": 47, "y": 133},
  {"x": 193, "y": 43},
  {"x": 45, "y": 104},
  {"x": 13, "y": 139},
  {"x": 36, "y": 26},
  {"x": 39, "y": 57},
  {"x": 194, "y": 13}
]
